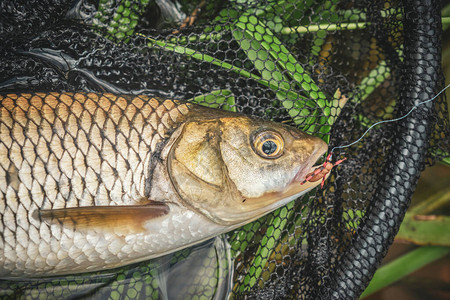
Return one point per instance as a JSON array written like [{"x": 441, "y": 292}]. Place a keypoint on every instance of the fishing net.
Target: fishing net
[{"x": 331, "y": 68}]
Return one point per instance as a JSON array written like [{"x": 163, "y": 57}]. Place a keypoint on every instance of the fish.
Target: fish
[{"x": 92, "y": 181}]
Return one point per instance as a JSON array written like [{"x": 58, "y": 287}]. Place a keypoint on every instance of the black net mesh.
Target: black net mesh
[{"x": 331, "y": 68}]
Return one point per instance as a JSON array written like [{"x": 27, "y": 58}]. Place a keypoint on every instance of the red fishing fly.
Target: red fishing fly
[{"x": 322, "y": 171}]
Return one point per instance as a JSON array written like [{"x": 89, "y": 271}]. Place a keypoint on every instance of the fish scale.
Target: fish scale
[
  {"x": 53, "y": 155},
  {"x": 96, "y": 181}
]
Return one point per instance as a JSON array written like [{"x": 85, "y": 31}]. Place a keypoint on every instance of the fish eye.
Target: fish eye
[{"x": 268, "y": 144}]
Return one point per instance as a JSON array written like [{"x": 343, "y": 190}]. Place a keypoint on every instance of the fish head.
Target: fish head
[{"x": 234, "y": 169}]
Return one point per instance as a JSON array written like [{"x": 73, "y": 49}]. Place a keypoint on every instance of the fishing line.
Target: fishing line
[{"x": 391, "y": 120}]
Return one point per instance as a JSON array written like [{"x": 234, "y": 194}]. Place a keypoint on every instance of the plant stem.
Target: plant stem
[
  {"x": 327, "y": 27},
  {"x": 197, "y": 38},
  {"x": 356, "y": 14}
]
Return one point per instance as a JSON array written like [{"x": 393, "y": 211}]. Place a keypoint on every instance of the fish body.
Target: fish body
[{"x": 95, "y": 181}]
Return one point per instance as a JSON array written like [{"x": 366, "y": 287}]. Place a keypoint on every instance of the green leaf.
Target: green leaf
[
  {"x": 268, "y": 245},
  {"x": 125, "y": 17},
  {"x": 369, "y": 84},
  {"x": 446, "y": 156},
  {"x": 422, "y": 229},
  {"x": 445, "y": 17},
  {"x": 280, "y": 54},
  {"x": 166, "y": 46},
  {"x": 425, "y": 230},
  {"x": 404, "y": 266},
  {"x": 446, "y": 161},
  {"x": 436, "y": 201},
  {"x": 260, "y": 58},
  {"x": 267, "y": 52},
  {"x": 223, "y": 99}
]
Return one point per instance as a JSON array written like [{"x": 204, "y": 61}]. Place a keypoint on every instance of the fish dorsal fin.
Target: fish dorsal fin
[{"x": 118, "y": 219}]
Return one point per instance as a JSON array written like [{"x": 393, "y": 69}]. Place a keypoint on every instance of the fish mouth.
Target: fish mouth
[
  {"x": 308, "y": 166},
  {"x": 294, "y": 189}
]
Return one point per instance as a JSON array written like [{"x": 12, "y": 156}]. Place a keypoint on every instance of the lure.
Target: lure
[{"x": 322, "y": 171}]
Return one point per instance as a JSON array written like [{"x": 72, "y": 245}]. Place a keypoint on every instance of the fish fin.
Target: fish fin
[{"x": 118, "y": 219}]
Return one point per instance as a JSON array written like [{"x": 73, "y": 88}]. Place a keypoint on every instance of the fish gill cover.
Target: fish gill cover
[{"x": 331, "y": 68}]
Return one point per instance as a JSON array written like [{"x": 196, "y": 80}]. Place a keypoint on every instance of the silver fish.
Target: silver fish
[{"x": 95, "y": 181}]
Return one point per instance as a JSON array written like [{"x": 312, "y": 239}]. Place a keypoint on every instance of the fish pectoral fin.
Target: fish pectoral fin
[{"x": 118, "y": 219}]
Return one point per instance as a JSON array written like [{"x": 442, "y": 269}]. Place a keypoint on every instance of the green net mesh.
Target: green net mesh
[{"x": 331, "y": 68}]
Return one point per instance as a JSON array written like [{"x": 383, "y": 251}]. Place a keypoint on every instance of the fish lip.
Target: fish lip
[{"x": 309, "y": 165}]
